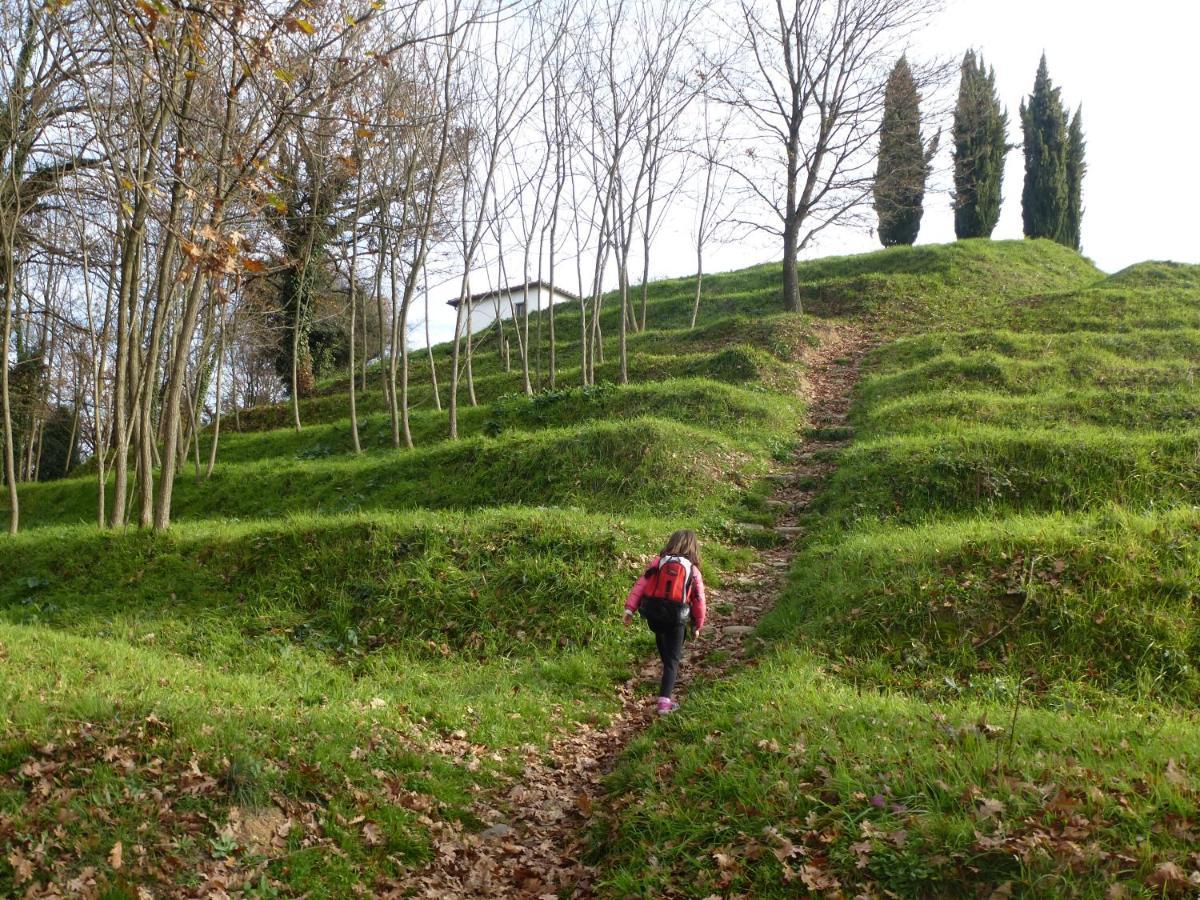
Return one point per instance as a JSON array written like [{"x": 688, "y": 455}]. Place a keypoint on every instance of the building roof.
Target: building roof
[{"x": 476, "y": 299}]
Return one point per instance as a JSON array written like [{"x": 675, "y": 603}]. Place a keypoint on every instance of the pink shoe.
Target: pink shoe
[{"x": 666, "y": 705}]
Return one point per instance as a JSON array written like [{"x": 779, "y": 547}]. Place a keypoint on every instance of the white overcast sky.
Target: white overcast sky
[{"x": 1133, "y": 67}]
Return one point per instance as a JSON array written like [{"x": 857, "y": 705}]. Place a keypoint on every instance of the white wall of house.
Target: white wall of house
[{"x": 485, "y": 312}]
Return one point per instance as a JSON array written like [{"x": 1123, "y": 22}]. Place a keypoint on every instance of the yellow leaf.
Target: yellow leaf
[
  {"x": 305, "y": 26},
  {"x": 283, "y": 75}
]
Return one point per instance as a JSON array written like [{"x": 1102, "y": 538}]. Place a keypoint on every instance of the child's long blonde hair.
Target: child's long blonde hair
[{"x": 683, "y": 543}]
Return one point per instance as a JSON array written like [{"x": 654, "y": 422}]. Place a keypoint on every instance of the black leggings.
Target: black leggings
[{"x": 670, "y": 648}]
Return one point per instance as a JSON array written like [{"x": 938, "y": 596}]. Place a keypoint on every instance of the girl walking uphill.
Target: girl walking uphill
[{"x": 669, "y": 594}]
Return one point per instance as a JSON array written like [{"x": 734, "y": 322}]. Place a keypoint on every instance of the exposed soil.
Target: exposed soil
[{"x": 536, "y": 844}]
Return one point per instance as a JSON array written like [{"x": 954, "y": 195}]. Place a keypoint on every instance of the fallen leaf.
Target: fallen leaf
[
  {"x": 114, "y": 855},
  {"x": 723, "y": 860},
  {"x": 22, "y": 868},
  {"x": 989, "y": 808},
  {"x": 1170, "y": 878},
  {"x": 1175, "y": 774}
]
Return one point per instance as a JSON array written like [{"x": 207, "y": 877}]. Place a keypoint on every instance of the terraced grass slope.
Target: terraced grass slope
[
  {"x": 983, "y": 675},
  {"x": 331, "y": 652}
]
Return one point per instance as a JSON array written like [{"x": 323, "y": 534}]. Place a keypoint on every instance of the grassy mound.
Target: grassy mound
[
  {"x": 501, "y": 582},
  {"x": 638, "y": 466},
  {"x": 788, "y": 781},
  {"x": 1077, "y": 607},
  {"x": 746, "y": 413},
  {"x": 976, "y": 469},
  {"x": 1148, "y": 296},
  {"x": 905, "y": 288},
  {"x": 983, "y": 673}
]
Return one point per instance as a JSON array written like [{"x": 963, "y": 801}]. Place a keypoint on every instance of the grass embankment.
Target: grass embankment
[
  {"x": 983, "y": 672},
  {"x": 329, "y": 653}
]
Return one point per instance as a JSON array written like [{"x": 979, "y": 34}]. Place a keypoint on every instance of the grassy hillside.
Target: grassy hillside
[
  {"x": 983, "y": 671},
  {"x": 331, "y": 651}
]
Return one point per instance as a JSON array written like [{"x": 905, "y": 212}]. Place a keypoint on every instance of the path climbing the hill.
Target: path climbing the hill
[{"x": 535, "y": 844}]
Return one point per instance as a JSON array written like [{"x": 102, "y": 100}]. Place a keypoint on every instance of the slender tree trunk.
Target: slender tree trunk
[
  {"x": 353, "y": 374},
  {"x": 385, "y": 369},
  {"x": 296, "y": 360},
  {"x": 699, "y": 282},
  {"x": 454, "y": 355},
  {"x": 353, "y": 277},
  {"x": 791, "y": 286},
  {"x": 437, "y": 397},
  {"x": 216, "y": 438},
  {"x": 10, "y": 465},
  {"x": 194, "y": 440},
  {"x": 470, "y": 356},
  {"x": 621, "y": 334},
  {"x": 171, "y": 407},
  {"x": 402, "y": 330},
  {"x": 645, "y": 280},
  {"x": 74, "y": 425},
  {"x": 393, "y": 359}
]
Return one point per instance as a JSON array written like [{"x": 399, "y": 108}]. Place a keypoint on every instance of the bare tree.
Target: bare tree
[
  {"x": 712, "y": 206},
  {"x": 810, "y": 82}
]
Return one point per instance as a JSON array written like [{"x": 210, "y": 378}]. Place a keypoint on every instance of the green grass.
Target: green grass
[
  {"x": 356, "y": 644},
  {"x": 637, "y": 466},
  {"x": 364, "y": 644},
  {"x": 1009, "y": 540},
  {"x": 789, "y": 779}
]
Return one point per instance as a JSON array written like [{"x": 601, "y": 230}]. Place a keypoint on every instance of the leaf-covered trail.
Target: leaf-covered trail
[{"x": 535, "y": 846}]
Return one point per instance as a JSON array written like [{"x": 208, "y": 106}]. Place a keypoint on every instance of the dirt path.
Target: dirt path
[{"x": 535, "y": 847}]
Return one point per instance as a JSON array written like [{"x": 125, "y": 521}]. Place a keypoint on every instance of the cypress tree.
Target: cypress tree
[
  {"x": 1076, "y": 167},
  {"x": 1045, "y": 198},
  {"x": 980, "y": 146},
  {"x": 903, "y": 160}
]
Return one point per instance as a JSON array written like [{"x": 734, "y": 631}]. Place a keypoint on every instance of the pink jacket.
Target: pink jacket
[{"x": 634, "y": 600}]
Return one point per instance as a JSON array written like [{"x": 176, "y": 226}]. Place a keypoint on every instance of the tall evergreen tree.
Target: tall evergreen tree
[
  {"x": 1045, "y": 198},
  {"x": 1076, "y": 168},
  {"x": 980, "y": 146},
  {"x": 903, "y": 160}
]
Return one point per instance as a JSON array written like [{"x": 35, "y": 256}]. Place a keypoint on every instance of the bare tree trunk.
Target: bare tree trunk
[
  {"x": 402, "y": 330},
  {"x": 216, "y": 438},
  {"x": 622, "y": 344},
  {"x": 437, "y": 397},
  {"x": 171, "y": 408},
  {"x": 74, "y": 424},
  {"x": 386, "y": 371},
  {"x": 791, "y": 285},
  {"x": 353, "y": 374},
  {"x": 454, "y": 354},
  {"x": 645, "y": 277},
  {"x": 10, "y": 465},
  {"x": 470, "y": 355},
  {"x": 699, "y": 281},
  {"x": 296, "y": 360},
  {"x": 353, "y": 279}
]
